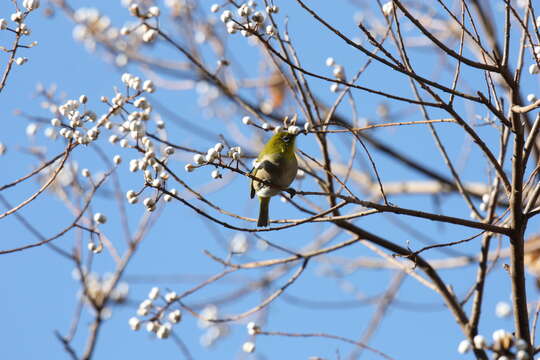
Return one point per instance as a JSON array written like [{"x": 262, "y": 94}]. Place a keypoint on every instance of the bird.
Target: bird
[{"x": 276, "y": 166}]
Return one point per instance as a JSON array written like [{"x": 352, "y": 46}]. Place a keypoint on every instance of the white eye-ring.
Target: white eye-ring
[{"x": 286, "y": 138}]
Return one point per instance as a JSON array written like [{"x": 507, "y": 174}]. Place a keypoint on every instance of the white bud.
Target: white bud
[
  {"x": 149, "y": 35},
  {"x": 334, "y": 87},
  {"x": 339, "y": 72},
  {"x": 253, "y": 328},
  {"x": 215, "y": 174},
  {"x": 124, "y": 143},
  {"x": 117, "y": 159},
  {"x": 164, "y": 331},
  {"x": 214, "y": 8},
  {"x": 226, "y": 16},
  {"x": 16, "y": 16},
  {"x": 330, "y": 61},
  {"x": 387, "y": 8},
  {"x": 198, "y": 159},
  {"x": 154, "y": 293},
  {"x": 3, "y": 24},
  {"x": 100, "y": 218},
  {"x": 152, "y": 326},
  {"x": 31, "y": 4},
  {"x": 148, "y": 202},
  {"x": 531, "y": 98},
  {"x": 169, "y": 150},
  {"x": 248, "y": 347},
  {"x": 153, "y": 11},
  {"x": 522, "y": 355},
  {"x": 293, "y": 130},
  {"x": 270, "y": 30},
  {"x": 258, "y": 17},
  {"x": 246, "y": 120},
  {"x": 464, "y": 346},
  {"x": 134, "y": 323},
  {"x": 31, "y": 129},
  {"x": 85, "y": 172},
  {"x": 175, "y": 316},
  {"x": 171, "y": 296},
  {"x": 134, "y": 9},
  {"x": 189, "y": 167},
  {"x": 503, "y": 309},
  {"x": 21, "y": 60},
  {"x": 218, "y": 147},
  {"x": 533, "y": 69},
  {"x": 83, "y": 99},
  {"x": 479, "y": 342},
  {"x": 148, "y": 86}
]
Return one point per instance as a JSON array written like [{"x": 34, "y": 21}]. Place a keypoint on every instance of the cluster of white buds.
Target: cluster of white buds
[
  {"x": 147, "y": 307},
  {"x": 235, "y": 152},
  {"x": 132, "y": 197},
  {"x": 338, "y": 72},
  {"x": 249, "y": 18},
  {"x": 272, "y": 9},
  {"x": 143, "y": 12},
  {"x": 17, "y": 16},
  {"x": 483, "y": 204},
  {"x": 98, "y": 287},
  {"x": 149, "y": 34},
  {"x": 214, "y": 331},
  {"x": 23, "y": 29},
  {"x": 91, "y": 24},
  {"x": 504, "y": 346}
]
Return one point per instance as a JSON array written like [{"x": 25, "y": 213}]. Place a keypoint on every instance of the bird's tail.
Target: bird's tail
[{"x": 263, "y": 212}]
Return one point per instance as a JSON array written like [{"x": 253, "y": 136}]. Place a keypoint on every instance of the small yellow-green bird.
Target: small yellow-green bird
[{"x": 277, "y": 166}]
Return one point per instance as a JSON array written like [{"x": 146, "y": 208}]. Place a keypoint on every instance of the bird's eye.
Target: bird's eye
[{"x": 286, "y": 138}]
